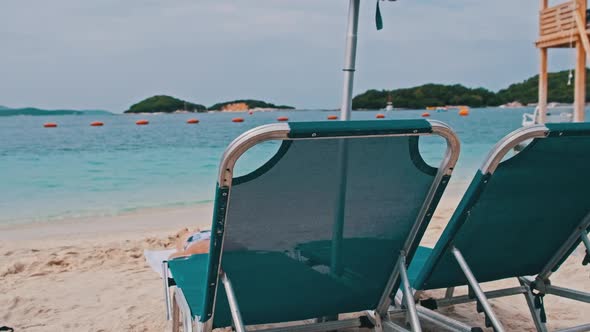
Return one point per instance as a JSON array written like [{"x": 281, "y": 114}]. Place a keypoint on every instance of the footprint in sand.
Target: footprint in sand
[
  {"x": 15, "y": 268},
  {"x": 58, "y": 262},
  {"x": 14, "y": 302}
]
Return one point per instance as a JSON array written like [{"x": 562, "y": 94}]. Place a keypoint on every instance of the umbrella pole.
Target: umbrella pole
[
  {"x": 350, "y": 59},
  {"x": 345, "y": 112}
]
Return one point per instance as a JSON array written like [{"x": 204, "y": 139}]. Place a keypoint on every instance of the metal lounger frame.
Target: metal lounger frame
[
  {"x": 527, "y": 285},
  {"x": 378, "y": 317}
]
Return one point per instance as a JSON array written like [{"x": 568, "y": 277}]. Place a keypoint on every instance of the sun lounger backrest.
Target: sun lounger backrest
[
  {"x": 294, "y": 200},
  {"x": 516, "y": 216}
]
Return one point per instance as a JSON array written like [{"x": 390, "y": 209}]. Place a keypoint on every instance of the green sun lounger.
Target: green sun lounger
[
  {"x": 520, "y": 217},
  {"x": 360, "y": 186}
]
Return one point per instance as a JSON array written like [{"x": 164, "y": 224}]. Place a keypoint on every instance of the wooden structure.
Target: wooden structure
[{"x": 564, "y": 26}]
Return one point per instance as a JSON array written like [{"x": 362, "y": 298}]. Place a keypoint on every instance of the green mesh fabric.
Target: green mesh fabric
[
  {"x": 282, "y": 236},
  {"x": 510, "y": 223}
]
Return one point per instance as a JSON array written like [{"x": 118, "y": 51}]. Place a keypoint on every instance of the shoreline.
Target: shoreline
[{"x": 141, "y": 221}]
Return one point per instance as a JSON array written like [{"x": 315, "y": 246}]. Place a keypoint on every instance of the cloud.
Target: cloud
[{"x": 110, "y": 53}]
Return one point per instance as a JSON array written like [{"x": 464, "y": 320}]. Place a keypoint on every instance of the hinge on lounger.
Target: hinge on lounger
[
  {"x": 429, "y": 303},
  {"x": 586, "y": 259},
  {"x": 538, "y": 291}
]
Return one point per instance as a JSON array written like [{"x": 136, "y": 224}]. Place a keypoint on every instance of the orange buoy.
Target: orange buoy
[
  {"x": 96, "y": 124},
  {"x": 237, "y": 120},
  {"x": 50, "y": 125},
  {"x": 282, "y": 118},
  {"x": 332, "y": 117},
  {"x": 425, "y": 114},
  {"x": 380, "y": 116},
  {"x": 142, "y": 122},
  {"x": 192, "y": 121},
  {"x": 464, "y": 112}
]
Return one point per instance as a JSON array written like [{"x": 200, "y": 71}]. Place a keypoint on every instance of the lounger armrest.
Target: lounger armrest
[{"x": 190, "y": 275}]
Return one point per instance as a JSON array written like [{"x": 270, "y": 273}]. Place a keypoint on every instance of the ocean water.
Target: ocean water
[{"x": 76, "y": 170}]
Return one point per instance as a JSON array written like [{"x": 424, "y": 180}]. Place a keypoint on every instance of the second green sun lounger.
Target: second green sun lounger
[
  {"x": 520, "y": 217},
  {"x": 360, "y": 186}
]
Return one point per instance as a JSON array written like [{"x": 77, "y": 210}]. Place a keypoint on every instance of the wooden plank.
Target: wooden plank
[
  {"x": 550, "y": 30},
  {"x": 546, "y": 25}
]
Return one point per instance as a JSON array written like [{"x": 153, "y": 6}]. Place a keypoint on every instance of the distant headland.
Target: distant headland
[
  {"x": 6, "y": 111},
  {"x": 168, "y": 104},
  {"x": 430, "y": 95}
]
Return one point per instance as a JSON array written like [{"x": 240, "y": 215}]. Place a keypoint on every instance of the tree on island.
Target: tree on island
[
  {"x": 164, "y": 104},
  {"x": 247, "y": 104}
]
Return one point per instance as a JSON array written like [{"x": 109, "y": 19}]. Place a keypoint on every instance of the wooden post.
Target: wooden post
[
  {"x": 580, "y": 91},
  {"x": 543, "y": 77},
  {"x": 543, "y": 87}
]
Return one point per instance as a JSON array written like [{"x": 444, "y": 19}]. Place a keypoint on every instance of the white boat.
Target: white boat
[
  {"x": 389, "y": 105},
  {"x": 555, "y": 113}
]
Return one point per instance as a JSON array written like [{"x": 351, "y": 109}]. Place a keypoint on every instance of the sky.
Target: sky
[{"x": 109, "y": 54}]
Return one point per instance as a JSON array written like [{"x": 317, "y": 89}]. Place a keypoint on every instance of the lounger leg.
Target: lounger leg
[
  {"x": 175, "y": 315},
  {"x": 166, "y": 290},
  {"x": 233, "y": 304},
  {"x": 180, "y": 302},
  {"x": 449, "y": 293},
  {"x": 477, "y": 290},
  {"x": 530, "y": 301},
  {"x": 409, "y": 296}
]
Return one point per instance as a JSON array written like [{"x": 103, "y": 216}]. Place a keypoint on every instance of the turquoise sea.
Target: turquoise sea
[{"x": 76, "y": 170}]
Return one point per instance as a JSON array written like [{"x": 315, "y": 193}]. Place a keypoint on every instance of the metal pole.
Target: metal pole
[
  {"x": 477, "y": 290},
  {"x": 349, "y": 63},
  {"x": 408, "y": 296},
  {"x": 350, "y": 59},
  {"x": 233, "y": 304}
]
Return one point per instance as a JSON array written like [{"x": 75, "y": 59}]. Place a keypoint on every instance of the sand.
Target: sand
[{"x": 90, "y": 275}]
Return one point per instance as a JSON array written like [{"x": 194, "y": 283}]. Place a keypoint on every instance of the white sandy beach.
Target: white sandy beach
[{"x": 90, "y": 275}]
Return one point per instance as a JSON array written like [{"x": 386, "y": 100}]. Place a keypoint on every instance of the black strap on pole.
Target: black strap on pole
[{"x": 378, "y": 18}]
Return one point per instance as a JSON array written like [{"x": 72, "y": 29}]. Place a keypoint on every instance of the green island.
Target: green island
[
  {"x": 167, "y": 104},
  {"x": 164, "y": 104},
  {"x": 426, "y": 95}
]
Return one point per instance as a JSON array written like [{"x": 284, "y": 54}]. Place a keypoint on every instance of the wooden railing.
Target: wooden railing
[{"x": 559, "y": 19}]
